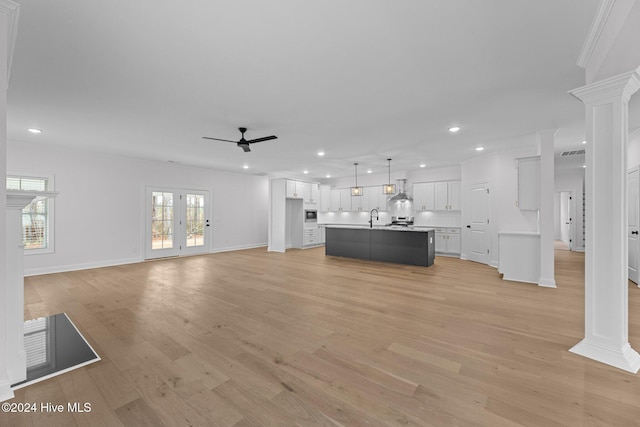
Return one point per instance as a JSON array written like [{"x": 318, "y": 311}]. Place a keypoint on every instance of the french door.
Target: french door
[{"x": 177, "y": 222}]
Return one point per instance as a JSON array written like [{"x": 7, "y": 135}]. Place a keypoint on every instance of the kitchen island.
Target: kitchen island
[{"x": 402, "y": 245}]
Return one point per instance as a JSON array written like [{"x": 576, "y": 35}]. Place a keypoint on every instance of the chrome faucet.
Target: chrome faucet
[{"x": 371, "y": 217}]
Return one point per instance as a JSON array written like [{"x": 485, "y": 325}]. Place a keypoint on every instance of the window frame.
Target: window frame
[{"x": 50, "y": 225}]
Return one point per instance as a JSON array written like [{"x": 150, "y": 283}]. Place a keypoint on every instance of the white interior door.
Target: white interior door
[
  {"x": 633, "y": 194},
  {"x": 478, "y": 230},
  {"x": 176, "y": 222}
]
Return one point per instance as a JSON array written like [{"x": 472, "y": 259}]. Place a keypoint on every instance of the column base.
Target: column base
[
  {"x": 18, "y": 369},
  {"x": 547, "y": 283},
  {"x": 6, "y": 392},
  {"x": 624, "y": 358}
]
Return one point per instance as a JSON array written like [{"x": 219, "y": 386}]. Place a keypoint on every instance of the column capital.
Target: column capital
[
  {"x": 623, "y": 85},
  {"x": 12, "y": 10}
]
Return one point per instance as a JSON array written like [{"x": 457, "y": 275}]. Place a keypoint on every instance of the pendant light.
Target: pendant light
[
  {"x": 389, "y": 188},
  {"x": 356, "y": 191}
]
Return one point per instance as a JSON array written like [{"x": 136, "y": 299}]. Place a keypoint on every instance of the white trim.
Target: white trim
[
  {"x": 547, "y": 283},
  {"x": 124, "y": 261},
  {"x": 597, "y": 27},
  {"x": 12, "y": 10},
  {"x": 69, "y": 369},
  {"x": 239, "y": 248},
  {"x": 634, "y": 133},
  {"x": 624, "y": 358},
  {"x": 625, "y": 85},
  {"x": 6, "y": 392},
  {"x": 83, "y": 266}
]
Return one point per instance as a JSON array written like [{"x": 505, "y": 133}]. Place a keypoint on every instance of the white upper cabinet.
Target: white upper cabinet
[
  {"x": 528, "y": 183},
  {"x": 306, "y": 191},
  {"x": 376, "y": 199},
  {"x": 454, "y": 195},
  {"x": 359, "y": 203},
  {"x": 325, "y": 198},
  {"x": 424, "y": 196},
  {"x": 291, "y": 192},
  {"x": 447, "y": 196},
  {"x": 314, "y": 194},
  {"x": 340, "y": 199}
]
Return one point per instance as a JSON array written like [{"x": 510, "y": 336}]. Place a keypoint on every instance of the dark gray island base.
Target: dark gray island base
[{"x": 387, "y": 244}]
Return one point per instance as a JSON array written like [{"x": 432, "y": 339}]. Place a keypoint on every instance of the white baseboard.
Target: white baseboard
[
  {"x": 112, "y": 263},
  {"x": 238, "y": 248},
  {"x": 76, "y": 267},
  {"x": 547, "y": 283}
]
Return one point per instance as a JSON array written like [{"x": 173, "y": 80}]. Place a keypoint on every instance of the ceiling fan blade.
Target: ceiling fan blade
[
  {"x": 266, "y": 138},
  {"x": 218, "y": 139},
  {"x": 245, "y": 147}
]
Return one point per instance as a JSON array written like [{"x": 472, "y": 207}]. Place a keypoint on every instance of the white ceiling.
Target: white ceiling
[{"x": 362, "y": 80}]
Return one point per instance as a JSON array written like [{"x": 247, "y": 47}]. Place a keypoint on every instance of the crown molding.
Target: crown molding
[
  {"x": 12, "y": 10},
  {"x": 623, "y": 85},
  {"x": 597, "y": 27}
]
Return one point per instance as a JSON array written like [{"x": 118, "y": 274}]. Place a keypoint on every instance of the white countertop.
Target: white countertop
[
  {"x": 380, "y": 227},
  {"x": 520, "y": 233}
]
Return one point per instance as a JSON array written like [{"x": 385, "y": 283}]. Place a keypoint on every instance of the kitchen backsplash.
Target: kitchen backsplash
[{"x": 435, "y": 219}]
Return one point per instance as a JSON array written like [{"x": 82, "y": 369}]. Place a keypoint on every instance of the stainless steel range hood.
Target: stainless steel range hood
[{"x": 400, "y": 206}]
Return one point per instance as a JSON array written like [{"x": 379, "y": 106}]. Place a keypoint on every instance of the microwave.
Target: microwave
[{"x": 310, "y": 215}]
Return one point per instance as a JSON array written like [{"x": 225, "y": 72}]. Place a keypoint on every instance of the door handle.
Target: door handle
[
  {"x": 468, "y": 226},
  {"x": 634, "y": 232},
  {"x": 207, "y": 224}
]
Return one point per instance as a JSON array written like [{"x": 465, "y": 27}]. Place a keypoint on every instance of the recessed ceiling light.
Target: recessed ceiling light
[
  {"x": 245, "y": 167},
  {"x": 328, "y": 176},
  {"x": 454, "y": 129},
  {"x": 369, "y": 171},
  {"x": 479, "y": 148},
  {"x": 34, "y": 130},
  {"x": 584, "y": 166},
  {"x": 584, "y": 142},
  {"x": 320, "y": 153},
  {"x": 305, "y": 172},
  {"x": 423, "y": 165}
]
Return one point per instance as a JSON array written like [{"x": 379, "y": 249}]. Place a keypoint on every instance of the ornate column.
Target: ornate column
[
  {"x": 606, "y": 290},
  {"x": 16, "y": 357},
  {"x": 8, "y": 27}
]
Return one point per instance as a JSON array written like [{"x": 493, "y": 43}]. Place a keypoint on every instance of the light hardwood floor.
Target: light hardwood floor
[{"x": 252, "y": 338}]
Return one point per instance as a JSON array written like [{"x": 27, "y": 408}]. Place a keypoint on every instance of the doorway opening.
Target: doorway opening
[{"x": 564, "y": 218}]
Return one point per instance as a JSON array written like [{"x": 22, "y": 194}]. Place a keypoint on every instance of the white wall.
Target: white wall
[
  {"x": 499, "y": 169},
  {"x": 98, "y": 212}
]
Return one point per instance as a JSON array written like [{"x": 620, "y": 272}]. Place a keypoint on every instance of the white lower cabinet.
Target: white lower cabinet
[
  {"x": 448, "y": 241},
  {"x": 311, "y": 237}
]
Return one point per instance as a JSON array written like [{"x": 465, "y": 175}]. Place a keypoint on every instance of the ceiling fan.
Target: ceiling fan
[{"x": 243, "y": 143}]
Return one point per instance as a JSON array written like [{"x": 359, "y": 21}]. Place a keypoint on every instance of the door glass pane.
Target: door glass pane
[
  {"x": 195, "y": 220},
  {"x": 162, "y": 224}
]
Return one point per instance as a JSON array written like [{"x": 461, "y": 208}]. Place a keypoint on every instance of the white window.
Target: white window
[{"x": 37, "y": 217}]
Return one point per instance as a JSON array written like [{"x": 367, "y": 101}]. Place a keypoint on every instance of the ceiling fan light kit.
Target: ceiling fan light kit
[{"x": 243, "y": 143}]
